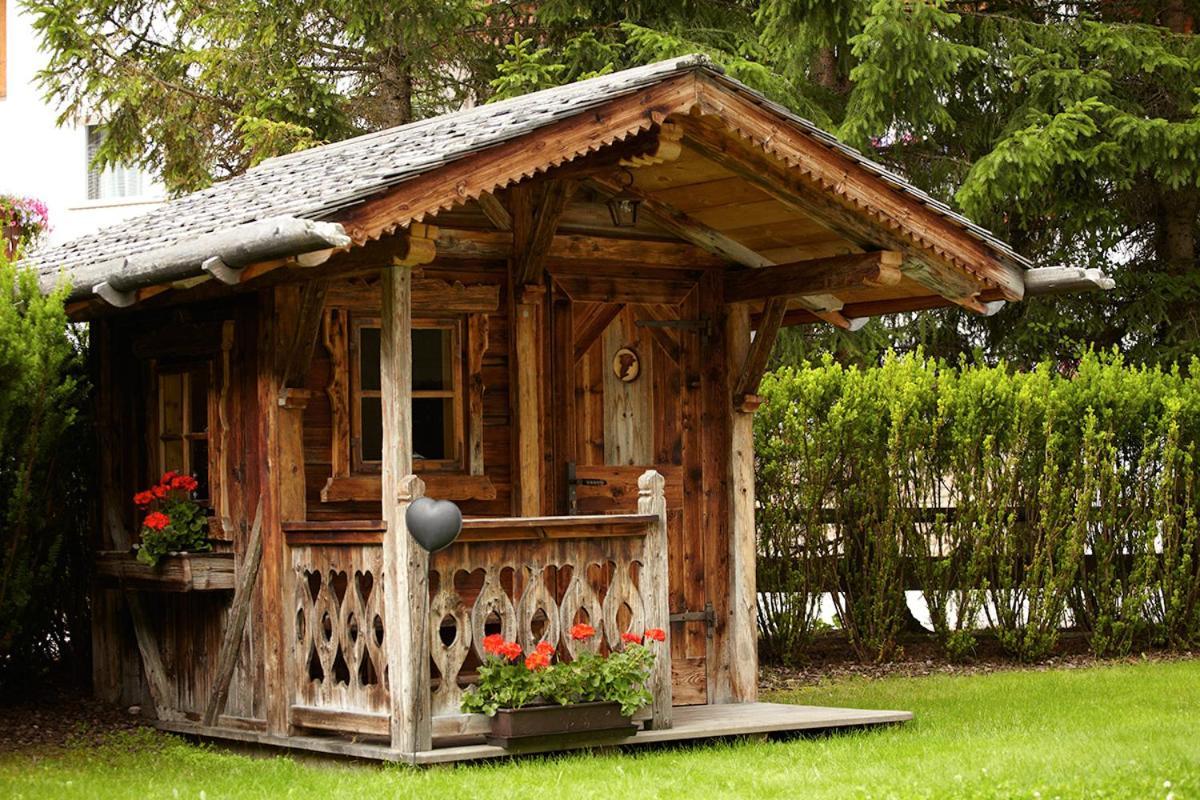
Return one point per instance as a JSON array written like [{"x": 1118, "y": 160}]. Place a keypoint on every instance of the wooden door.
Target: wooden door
[{"x": 615, "y": 429}]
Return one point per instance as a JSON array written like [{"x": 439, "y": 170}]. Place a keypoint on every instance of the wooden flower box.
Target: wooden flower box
[
  {"x": 513, "y": 728},
  {"x": 191, "y": 572}
]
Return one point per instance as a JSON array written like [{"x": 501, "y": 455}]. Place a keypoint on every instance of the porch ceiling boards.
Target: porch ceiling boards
[{"x": 691, "y": 723}]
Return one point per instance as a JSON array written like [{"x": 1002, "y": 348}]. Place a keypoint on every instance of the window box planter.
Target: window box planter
[
  {"x": 514, "y": 727},
  {"x": 185, "y": 572}
]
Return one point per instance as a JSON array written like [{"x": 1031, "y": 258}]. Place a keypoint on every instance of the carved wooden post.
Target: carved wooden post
[
  {"x": 405, "y": 563},
  {"x": 652, "y": 500},
  {"x": 742, "y": 632},
  {"x": 406, "y": 631}
]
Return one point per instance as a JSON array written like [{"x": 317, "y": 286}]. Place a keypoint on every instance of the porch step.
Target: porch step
[{"x": 691, "y": 723}]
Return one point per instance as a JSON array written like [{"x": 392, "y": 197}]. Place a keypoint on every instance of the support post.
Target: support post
[
  {"x": 528, "y": 372},
  {"x": 743, "y": 601},
  {"x": 278, "y": 311},
  {"x": 231, "y": 642},
  {"x": 652, "y": 499},
  {"x": 405, "y": 563}
]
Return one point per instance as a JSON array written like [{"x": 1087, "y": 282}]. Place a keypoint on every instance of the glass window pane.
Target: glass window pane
[
  {"x": 200, "y": 467},
  {"x": 198, "y": 390},
  {"x": 170, "y": 394},
  {"x": 368, "y": 359},
  {"x": 371, "y": 445},
  {"x": 172, "y": 451},
  {"x": 433, "y": 427},
  {"x": 431, "y": 359}
]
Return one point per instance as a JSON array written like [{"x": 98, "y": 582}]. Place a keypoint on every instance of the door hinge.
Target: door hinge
[{"x": 707, "y": 616}]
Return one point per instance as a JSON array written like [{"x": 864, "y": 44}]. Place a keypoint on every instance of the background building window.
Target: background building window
[{"x": 112, "y": 182}]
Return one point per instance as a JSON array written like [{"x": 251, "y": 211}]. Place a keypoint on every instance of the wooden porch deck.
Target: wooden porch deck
[{"x": 691, "y": 723}]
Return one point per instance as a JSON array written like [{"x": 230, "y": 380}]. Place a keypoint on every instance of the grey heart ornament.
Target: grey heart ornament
[{"x": 433, "y": 524}]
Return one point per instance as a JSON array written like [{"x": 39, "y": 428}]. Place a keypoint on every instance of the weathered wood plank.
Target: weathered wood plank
[
  {"x": 442, "y": 485},
  {"x": 530, "y": 251},
  {"x": 751, "y": 371},
  {"x": 572, "y": 247},
  {"x": 652, "y": 501},
  {"x": 431, "y": 297},
  {"x": 526, "y": 371},
  {"x": 477, "y": 345},
  {"x": 278, "y": 309},
  {"x": 235, "y": 625},
  {"x": 201, "y": 572},
  {"x": 405, "y": 564},
  {"x": 741, "y": 645},
  {"x": 814, "y": 276}
]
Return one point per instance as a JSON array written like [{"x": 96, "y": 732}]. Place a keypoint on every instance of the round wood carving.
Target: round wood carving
[{"x": 626, "y": 365}]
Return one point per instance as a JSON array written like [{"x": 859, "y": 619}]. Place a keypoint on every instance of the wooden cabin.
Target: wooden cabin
[{"x": 554, "y": 311}]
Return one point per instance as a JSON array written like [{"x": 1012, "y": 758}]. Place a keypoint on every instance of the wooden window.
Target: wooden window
[
  {"x": 182, "y": 418},
  {"x": 437, "y": 405}
]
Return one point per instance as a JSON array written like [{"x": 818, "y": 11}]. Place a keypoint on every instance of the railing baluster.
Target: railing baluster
[{"x": 652, "y": 500}]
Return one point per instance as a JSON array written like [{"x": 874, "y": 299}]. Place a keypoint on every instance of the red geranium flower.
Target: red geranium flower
[
  {"x": 184, "y": 482},
  {"x": 537, "y": 660},
  {"x": 582, "y": 631},
  {"x": 545, "y": 647},
  {"x": 657, "y": 634},
  {"x": 167, "y": 477},
  {"x": 492, "y": 644},
  {"x": 632, "y": 638},
  {"x": 143, "y": 498},
  {"x": 509, "y": 650},
  {"x": 159, "y": 491},
  {"x": 156, "y": 521}
]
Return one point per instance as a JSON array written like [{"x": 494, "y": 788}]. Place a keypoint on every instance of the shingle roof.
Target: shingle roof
[{"x": 316, "y": 183}]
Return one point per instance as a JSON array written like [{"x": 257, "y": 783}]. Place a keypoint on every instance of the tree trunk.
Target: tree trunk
[{"x": 1176, "y": 253}]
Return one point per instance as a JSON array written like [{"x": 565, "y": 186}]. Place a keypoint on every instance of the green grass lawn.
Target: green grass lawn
[{"x": 1115, "y": 731}]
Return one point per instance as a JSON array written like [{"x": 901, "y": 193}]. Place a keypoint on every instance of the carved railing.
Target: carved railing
[
  {"x": 528, "y": 578},
  {"x": 337, "y": 597}
]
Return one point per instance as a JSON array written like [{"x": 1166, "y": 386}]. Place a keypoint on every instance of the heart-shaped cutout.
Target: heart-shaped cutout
[{"x": 434, "y": 524}]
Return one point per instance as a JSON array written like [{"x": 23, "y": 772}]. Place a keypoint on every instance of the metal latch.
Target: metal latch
[
  {"x": 574, "y": 480},
  {"x": 707, "y": 616}
]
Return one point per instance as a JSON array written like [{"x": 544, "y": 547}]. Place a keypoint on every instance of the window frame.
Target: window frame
[
  {"x": 186, "y": 436},
  {"x": 456, "y": 393}
]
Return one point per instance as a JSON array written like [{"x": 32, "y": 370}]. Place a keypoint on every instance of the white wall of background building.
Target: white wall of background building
[{"x": 41, "y": 160}]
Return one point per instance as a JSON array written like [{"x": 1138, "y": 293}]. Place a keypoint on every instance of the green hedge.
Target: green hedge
[{"x": 1026, "y": 499}]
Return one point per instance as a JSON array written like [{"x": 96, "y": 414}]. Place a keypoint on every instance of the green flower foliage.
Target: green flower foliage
[
  {"x": 1023, "y": 500},
  {"x": 619, "y": 677}
]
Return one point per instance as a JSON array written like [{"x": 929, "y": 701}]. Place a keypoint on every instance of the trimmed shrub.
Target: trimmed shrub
[
  {"x": 1029, "y": 500},
  {"x": 44, "y": 447}
]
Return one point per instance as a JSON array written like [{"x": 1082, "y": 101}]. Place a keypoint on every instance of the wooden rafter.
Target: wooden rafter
[
  {"x": 989, "y": 301},
  {"x": 531, "y": 249},
  {"x": 495, "y": 211},
  {"x": 774, "y": 178},
  {"x": 713, "y": 241},
  {"x": 814, "y": 276},
  {"x": 838, "y": 177},
  {"x": 745, "y": 392}
]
